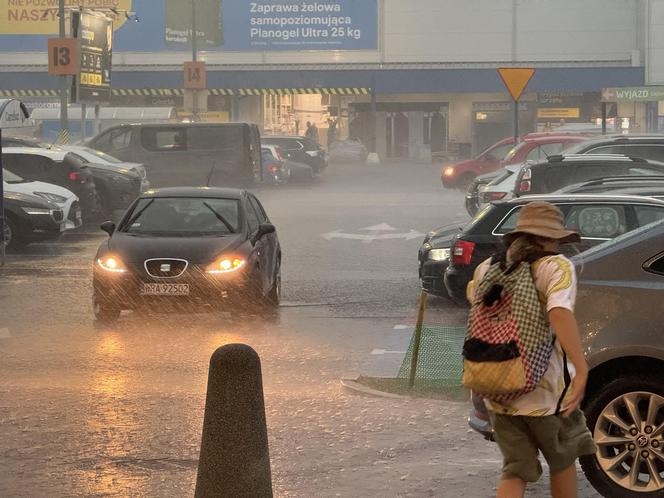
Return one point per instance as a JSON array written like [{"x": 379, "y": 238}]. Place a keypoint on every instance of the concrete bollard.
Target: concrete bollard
[{"x": 234, "y": 459}]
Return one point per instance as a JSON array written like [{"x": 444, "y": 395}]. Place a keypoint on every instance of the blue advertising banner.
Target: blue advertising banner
[{"x": 300, "y": 25}]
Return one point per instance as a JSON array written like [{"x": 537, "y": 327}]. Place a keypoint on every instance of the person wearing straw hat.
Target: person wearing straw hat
[{"x": 546, "y": 419}]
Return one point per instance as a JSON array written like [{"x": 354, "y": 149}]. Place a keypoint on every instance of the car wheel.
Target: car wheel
[
  {"x": 105, "y": 312},
  {"x": 274, "y": 296},
  {"x": 13, "y": 239},
  {"x": 626, "y": 418}
]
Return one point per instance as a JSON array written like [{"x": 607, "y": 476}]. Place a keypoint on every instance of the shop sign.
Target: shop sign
[
  {"x": 633, "y": 94},
  {"x": 559, "y": 112}
]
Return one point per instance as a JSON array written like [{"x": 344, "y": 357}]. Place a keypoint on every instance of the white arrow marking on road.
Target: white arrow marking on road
[
  {"x": 385, "y": 351},
  {"x": 338, "y": 234},
  {"x": 383, "y": 227}
]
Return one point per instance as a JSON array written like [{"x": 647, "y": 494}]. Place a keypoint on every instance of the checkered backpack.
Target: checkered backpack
[{"x": 509, "y": 343}]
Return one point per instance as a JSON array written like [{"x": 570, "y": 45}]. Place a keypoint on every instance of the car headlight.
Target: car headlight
[
  {"x": 58, "y": 199},
  {"x": 31, "y": 210},
  {"x": 225, "y": 265},
  {"x": 449, "y": 171},
  {"x": 112, "y": 264},
  {"x": 439, "y": 254}
]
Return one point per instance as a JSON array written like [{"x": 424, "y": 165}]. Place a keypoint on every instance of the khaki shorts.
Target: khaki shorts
[{"x": 560, "y": 439}]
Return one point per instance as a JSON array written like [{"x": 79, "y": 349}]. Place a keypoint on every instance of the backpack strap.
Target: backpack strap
[{"x": 568, "y": 383}]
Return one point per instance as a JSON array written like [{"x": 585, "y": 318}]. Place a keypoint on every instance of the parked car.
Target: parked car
[
  {"x": 60, "y": 196},
  {"x": 101, "y": 159},
  {"x": 55, "y": 166},
  {"x": 349, "y": 150},
  {"x": 300, "y": 150},
  {"x": 531, "y": 147},
  {"x": 104, "y": 189},
  {"x": 501, "y": 188},
  {"x": 448, "y": 258},
  {"x": 195, "y": 154},
  {"x": 644, "y": 146},
  {"x": 274, "y": 168},
  {"x": 29, "y": 218},
  {"x": 22, "y": 141},
  {"x": 619, "y": 312},
  {"x": 560, "y": 171},
  {"x": 186, "y": 249},
  {"x": 654, "y": 183},
  {"x": 472, "y": 197}
]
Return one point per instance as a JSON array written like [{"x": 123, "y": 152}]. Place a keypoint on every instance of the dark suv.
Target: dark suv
[
  {"x": 448, "y": 257},
  {"x": 560, "y": 171},
  {"x": 644, "y": 146}
]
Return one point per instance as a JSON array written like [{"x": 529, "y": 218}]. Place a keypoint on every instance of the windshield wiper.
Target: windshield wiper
[
  {"x": 133, "y": 219},
  {"x": 220, "y": 218}
]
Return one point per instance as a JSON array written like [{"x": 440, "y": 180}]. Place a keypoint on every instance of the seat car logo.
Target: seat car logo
[{"x": 165, "y": 268}]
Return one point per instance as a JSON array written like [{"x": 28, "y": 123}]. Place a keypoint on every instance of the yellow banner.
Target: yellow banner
[
  {"x": 558, "y": 112},
  {"x": 39, "y": 17}
]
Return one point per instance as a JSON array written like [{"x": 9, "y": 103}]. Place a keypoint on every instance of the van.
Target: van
[{"x": 188, "y": 154}]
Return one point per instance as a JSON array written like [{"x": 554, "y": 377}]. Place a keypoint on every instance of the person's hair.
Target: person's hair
[{"x": 522, "y": 246}]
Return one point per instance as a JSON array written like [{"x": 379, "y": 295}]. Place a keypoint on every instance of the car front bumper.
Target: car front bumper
[
  {"x": 432, "y": 276},
  {"x": 218, "y": 291}
]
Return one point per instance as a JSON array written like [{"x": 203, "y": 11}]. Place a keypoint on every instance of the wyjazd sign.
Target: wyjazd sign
[{"x": 300, "y": 24}]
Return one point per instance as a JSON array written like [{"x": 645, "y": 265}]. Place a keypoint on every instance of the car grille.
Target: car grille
[
  {"x": 165, "y": 268},
  {"x": 58, "y": 215}
]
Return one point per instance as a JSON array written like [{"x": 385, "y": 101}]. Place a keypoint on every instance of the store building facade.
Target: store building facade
[{"x": 429, "y": 65}]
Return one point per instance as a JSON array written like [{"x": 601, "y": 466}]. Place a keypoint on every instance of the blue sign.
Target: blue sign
[{"x": 300, "y": 25}]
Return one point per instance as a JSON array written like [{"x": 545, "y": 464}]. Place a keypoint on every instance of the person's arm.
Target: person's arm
[{"x": 564, "y": 324}]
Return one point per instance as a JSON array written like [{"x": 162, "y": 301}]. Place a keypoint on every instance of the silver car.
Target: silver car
[{"x": 620, "y": 315}]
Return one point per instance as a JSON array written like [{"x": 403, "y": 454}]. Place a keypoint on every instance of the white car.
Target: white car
[
  {"x": 502, "y": 187},
  {"x": 60, "y": 196},
  {"x": 88, "y": 155}
]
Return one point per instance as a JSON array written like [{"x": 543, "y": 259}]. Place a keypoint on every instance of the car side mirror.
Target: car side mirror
[
  {"x": 265, "y": 229},
  {"x": 108, "y": 227}
]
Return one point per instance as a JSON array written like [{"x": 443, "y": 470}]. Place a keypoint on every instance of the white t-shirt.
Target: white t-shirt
[{"x": 555, "y": 280}]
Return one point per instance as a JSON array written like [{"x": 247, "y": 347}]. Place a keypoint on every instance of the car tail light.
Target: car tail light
[
  {"x": 462, "y": 253},
  {"x": 277, "y": 149},
  {"x": 525, "y": 186},
  {"x": 76, "y": 177},
  {"x": 527, "y": 174},
  {"x": 272, "y": 168}
]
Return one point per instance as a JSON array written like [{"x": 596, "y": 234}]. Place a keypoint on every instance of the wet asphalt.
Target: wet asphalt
[{"x": 87, "y": 410}]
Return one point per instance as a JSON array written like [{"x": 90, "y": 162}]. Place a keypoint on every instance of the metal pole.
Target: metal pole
[
  {"x": 84, "y": 111},
  {"x": 2, "y": 208},
  {"x": 372, "y": 120},
  {"x": 603, "y": 118},
  {"x": 516, "y": 122},
  {"x": 194, "y": 58},
  {"x": 64, "y": 115},
  {"x": 97, "y": 127},
  {"x": 418, "y": 339}
]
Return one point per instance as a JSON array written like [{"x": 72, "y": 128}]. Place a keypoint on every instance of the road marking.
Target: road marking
[
  {"x": 402, "y": 327},
  {"x": 367, "y": 239},
  {"x": 4, "y": 333},
  {"x": 385, "y": 351}
]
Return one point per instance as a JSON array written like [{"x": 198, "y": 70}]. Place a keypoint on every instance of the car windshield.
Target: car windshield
[
  {"x": 10, "y": 177},
  {"x": 182, "y": 216}
]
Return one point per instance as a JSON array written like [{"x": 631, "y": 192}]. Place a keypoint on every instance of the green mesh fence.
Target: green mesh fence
[{"x": 439, "y": 363}]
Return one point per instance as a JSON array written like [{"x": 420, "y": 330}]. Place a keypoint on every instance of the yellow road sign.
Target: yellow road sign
[{"x": 516, "y": 79}]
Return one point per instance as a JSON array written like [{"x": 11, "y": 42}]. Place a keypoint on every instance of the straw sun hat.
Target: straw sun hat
[{"x": 544, "y": 220}]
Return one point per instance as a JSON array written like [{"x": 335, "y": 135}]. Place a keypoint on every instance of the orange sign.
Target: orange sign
[
  {"x": 194, "y": 76},
  {"x": 516, "y": 79},
  {"x": 62, "y": 56}
]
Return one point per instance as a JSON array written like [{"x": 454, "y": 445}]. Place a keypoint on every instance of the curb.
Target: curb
[{"x": 356, "y": 387}]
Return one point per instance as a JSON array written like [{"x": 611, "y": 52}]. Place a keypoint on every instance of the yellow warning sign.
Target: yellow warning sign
[{"x": 516, "y": 79}]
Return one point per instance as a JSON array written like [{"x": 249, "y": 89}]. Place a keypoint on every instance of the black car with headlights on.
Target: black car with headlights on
[
  {"x": 29, "y": 218},
  {"x": 186, "y": 248}
]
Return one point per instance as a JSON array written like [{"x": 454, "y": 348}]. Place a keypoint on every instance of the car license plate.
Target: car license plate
[{"x": 165, "y": 290}]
